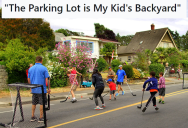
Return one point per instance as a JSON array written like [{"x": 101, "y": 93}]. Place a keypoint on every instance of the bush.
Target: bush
[
  {"x": 136, "y": 73},
  {"x": 2, "y": 63},
  {"x": 17, "y": 76},
  {"x": 115, "y": 64},
  {"x": 185, "y": 65},
  {"x": 58, "y": 76},
  {"x": 101, "y": 64},
  {"x": 157, "y": 68},
  {"x": 128, "y": 70}
]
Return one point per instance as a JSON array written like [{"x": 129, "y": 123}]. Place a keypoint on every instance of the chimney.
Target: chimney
[{"x": 152, "y": 26}]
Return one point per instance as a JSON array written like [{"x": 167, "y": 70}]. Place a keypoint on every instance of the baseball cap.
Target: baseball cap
[
  {"x": 109, "y": 80},
  {"x": 120, "y": 65},
  {"x": 109, "y": 67},
  {"x": 73, "y": 66}
]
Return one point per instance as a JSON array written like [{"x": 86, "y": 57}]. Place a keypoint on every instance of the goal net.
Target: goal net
[{"x": 21, "y": 114}]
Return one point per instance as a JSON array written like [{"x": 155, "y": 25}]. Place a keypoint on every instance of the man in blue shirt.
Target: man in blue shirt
[
  {"x": 120, "y": 74},
  {"x": 38, "y": 74}
]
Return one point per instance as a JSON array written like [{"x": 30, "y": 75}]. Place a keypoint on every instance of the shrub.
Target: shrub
[
  {"x": 136, "y": 73},
  {"x": 185, "y": 65},
  {"x": 128, "y": 70},
  {"x": 17, "y": 76},
  {"x": 115, "y": 63},
  {"x": 101, "y": 64},
  {"x": 157, "y": 68}
]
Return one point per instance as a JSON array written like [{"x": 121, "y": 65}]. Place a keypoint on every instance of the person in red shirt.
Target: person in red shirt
[
  {"x": 112, "y": 87},
  {"x": 27, "y": 70}
]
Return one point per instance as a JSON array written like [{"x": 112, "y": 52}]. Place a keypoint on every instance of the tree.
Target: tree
[
  {"x": 33, "y": 33},
  {"x": 177, "y": 38},
  {"x": 124, "y": 40},
  {"x": 184, "y": 42},
  {"x": 107, "y": 50},
  {"x": 67, "y": 32},
  {"x": 104, "y": 33}
]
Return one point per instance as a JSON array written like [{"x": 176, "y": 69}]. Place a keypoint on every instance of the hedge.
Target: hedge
[
  {"x": 157, "y": 68},
  {"x": 128, "y": 70}
]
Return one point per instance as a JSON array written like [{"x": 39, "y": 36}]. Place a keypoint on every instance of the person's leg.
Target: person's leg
[
  {"x": 119, "y": 86},
  {"x": 162, "y": 98},
  {"x": 41, "y": 111},
  {"x": 33, "y": 110},
  {"x": 100, "y": 92},
  {"x": 96, "y": 93},
  {"x": 149, "y": 101},
  {"x": 110, "y": 96},
  {"x": 154, "y": 99}
]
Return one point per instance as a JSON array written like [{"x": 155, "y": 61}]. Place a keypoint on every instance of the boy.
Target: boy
[
  {"x": 112, "y": 87},
  {"x": 152, "y": 87},
  {"x": 161, "y": 88}
]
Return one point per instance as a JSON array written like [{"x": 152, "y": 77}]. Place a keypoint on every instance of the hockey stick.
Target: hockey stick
[
  {"x": 130, "y": 90},
  {"x": 141, "y": 101}
]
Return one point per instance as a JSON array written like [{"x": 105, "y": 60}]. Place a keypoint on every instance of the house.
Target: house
[
  {"x": 95, "y": 44},
  {"x": 58, "y": 37},
  {"x": 150, "y": 39}
]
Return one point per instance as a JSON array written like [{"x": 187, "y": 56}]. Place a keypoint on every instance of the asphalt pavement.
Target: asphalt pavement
[{"x": 120, "y": 113}]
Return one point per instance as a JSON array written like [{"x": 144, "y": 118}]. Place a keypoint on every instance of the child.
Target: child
[
  {"x": 152, "y": 87},
  {"x": 112, "y": 87},
  {"x": 161, "y": 87}
]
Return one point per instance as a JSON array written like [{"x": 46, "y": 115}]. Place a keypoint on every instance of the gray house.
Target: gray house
[{"x": 150, "y": 39}]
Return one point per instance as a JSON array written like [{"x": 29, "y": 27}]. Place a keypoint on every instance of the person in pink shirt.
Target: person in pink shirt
[{"x": 161, "y": 87}]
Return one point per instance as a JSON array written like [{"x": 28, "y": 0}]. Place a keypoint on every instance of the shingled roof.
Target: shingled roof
[
  {"x": 144, "y": 40},
  {"x": 58, "y": 36}
]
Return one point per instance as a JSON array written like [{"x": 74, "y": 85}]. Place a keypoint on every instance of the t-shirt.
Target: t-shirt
[
  {"x": 73, "y": 71},
  {"x": 120, "y": 74},
  {"x": 112, "y": 86},
  {"x": 37, "y": 75},
  {"x": 111, "y": 73}
]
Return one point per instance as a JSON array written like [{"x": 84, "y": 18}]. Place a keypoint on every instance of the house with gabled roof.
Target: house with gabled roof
[{"x": 150, "y": 39}]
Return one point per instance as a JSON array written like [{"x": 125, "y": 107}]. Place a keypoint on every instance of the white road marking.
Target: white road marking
[{"x": 6, "y": 111}]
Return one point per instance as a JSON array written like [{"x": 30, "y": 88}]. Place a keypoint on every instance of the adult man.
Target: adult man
[
  {"x": 110, "y": 74},
  {"x": 120, "y": 74},
  {"x": 38, "y": 74}
]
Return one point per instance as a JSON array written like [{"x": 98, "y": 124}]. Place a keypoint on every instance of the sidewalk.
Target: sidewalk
[{"x": 27, "y": 100}]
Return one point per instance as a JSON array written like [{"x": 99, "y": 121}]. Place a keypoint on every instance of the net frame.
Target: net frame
[
  {"x": 183, "y": 85},
  {"x": 18, "y": 101}
]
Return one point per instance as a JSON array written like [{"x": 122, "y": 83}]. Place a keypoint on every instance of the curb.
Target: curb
[{"x": 3, "y": 104}]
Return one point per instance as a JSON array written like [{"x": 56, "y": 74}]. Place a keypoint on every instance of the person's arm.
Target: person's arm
[
  {"x": 49, "y": 90},
  {"x": 144, "y": 85},
  {"x": 78, "y": 72},
  {"x": 125, "y": 75},
  {"x": 93, "y": 81},
  {"x": 159, "y": 81}
]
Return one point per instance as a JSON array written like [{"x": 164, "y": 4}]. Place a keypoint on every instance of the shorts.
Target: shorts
[
  {"x": 119, "y": 83},
  {"x": 162, "y": 92},
  {"x": 37, "y": 99},
  {"x": 74, "y": 87},
  {"x": 112, "y": 91}
]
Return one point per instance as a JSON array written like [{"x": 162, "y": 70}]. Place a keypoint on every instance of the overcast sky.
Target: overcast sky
[{"x": 123, "y": 26}]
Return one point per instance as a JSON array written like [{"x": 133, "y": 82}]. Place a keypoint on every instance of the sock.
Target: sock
[{"x": 73, "y": 98}]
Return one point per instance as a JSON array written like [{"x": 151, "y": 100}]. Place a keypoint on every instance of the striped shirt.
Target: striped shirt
[{"x": 161, "y": 82}]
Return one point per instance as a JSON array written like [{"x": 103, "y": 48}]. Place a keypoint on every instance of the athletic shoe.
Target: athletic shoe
[
  {"x": 144, "y": 109},
  {"x": 41, "y": 120},
  {"x": 160, "y": 100},
  {"x": 109, "y": 99},
  {"x": 123, "y": 92},
  {"x": 33, "y": 119},
  {"x": 156, "y": 108},
  {"x": 98, "y": 108},
  {"x": 117, "y": 94},
  {"x": 114, "y": 98},
  {"x": 73, "y": 100},
  {"x": 103, "y": 105}
]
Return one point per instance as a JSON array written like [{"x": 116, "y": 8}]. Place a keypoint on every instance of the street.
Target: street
[{"x": 120, "y": 113}]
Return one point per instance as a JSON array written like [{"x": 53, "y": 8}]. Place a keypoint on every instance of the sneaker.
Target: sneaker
[
  {"x": 156, "y": 108},
  {"x": 41, "y": 120},
  {"x": 123, "y": 92},
  {"x": 114, "y": 98},
  {"x": 117, "y": 94},
  {"x": 103, "y": 105},
  {"x": 33, "y": 119},
  {"x": 98, "y": 108},
  {"x": 109, "y": 99},
  {"x": 144, "y": 109},
  {"x": 160, "y": 100}
]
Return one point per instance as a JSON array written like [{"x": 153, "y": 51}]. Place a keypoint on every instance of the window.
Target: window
[
  {"x": 67, "y": 42},
  {"x": 165, "y": 45},
  {"x": 86, "y": 43},
  {"x": 129, "y": 58}
]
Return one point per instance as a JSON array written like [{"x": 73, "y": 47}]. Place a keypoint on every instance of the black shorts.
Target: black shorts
[
  {"x": 162, "y": 92},
  {"x": 112, "y": 92},
  {"x": 37, "y": 99},
  {"x": 119, "y": 83}
]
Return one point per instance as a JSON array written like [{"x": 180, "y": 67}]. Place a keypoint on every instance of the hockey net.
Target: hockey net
[
  {"x": 20, "y": 117},
  {"x": 185, "y": 81}
]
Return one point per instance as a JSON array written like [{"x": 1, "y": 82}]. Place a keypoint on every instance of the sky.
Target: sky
[{"x": 123, "y": 26}]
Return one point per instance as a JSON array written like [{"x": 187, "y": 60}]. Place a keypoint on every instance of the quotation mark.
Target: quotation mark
[
  {"x": 6, "y": 5},
  {"x": 179, "y": 5}
]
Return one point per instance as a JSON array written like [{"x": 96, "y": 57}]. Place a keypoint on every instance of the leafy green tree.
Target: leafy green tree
[
  {"x": 124, "y": 40},
  {"x": 115, "y": 63},
  {"x": 104, "y": 33},
  {"x": 101, "y": 64},
  {"x": 107, "y": 50},
  {"x": 184, "y": 42},
  {"x": 67, "y": 32}
]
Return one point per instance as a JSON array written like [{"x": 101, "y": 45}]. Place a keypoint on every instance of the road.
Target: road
[{"x": 120, "y": 113}]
